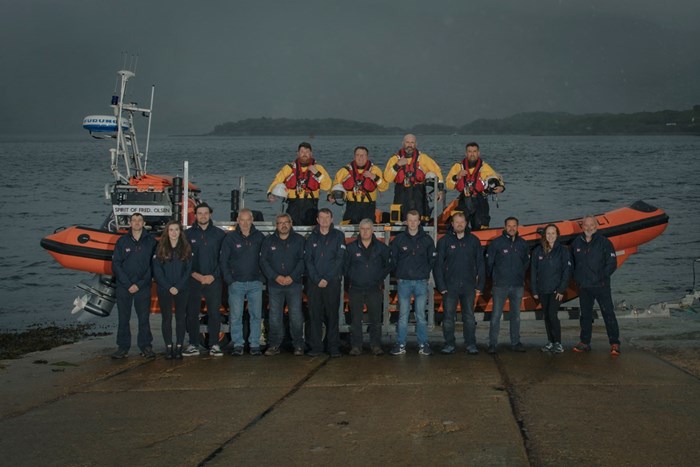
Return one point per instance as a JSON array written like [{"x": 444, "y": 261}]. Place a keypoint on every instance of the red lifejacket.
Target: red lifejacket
[
  {"x": 357, "y": 182},
  {"x": 411, "y": 173},
  {"x": 471, "y": 183},
  {"x": 301, "y": 181}
]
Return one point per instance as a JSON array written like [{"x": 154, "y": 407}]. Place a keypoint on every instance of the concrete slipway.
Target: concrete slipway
[{"x": 82, "y": 408}]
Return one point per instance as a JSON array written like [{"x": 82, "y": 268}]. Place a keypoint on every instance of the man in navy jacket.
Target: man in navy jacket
[
  {"x": 507, "y": 258},
  {"x": 240, "y": 265},
  {"x": 282, "y": 262},
  {"x": 367, "y": 264},
  {"x": 205, "y": 281},
  {"x": 413, "y": 252},
  {"x": 324, "y": 257},
  {"x": 594, "y": 261},
  {"x": 459, "y": 275},
  {"x": 131, "y": 265}
]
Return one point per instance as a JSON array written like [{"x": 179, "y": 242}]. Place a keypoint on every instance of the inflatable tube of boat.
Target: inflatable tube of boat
[{"x": 103, "y": 124}]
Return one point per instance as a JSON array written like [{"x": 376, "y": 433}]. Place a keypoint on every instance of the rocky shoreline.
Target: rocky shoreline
[{"x": 44, "y": 337}]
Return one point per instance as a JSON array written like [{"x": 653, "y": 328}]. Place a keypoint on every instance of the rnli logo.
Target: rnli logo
[
  {"x": 453, "y": 247},
  {"x": 578, "y": 250},
  {"x": 128, "y": 250},
  {"x": 404, "y": 248},
  {"x": 612, "y": 255},
  {"x": 238, "y": 245},
  {"x": 505, "y": 251},
  {"x": 273, "y": 248},
  {"x": 193, "y": 241},
  {"x": 314, "y": 245},
  {"x": 540, "y": 258},
  {"x": 358, "y": 254}
]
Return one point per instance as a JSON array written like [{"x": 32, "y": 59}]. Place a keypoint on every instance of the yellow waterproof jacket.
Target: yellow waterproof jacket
[
  {"x": 425, "y": 163},
  {"x": 486, "y": 173},
  {"x": 288, "y": 171},
  {"x": 359, "y": 195}
]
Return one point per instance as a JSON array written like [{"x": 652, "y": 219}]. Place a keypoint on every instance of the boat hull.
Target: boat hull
[{"x": 90, "y": 250}]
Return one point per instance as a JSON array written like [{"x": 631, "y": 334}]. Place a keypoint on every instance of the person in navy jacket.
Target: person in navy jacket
[
  {"x": 131, "y": 265},
  {"x": 413, "y": 252},
  {"x": 367, "y": 264},
  {"x": 459, "y": 275},
  {"x": 205, "y": 280},
  {"x": 172, "y": 265},
  {"x": 594, "y": 260},
  {"x": 324, "y": 257},
  {"x": 507, "y": 259},
  {"x": 240, "y": 264},
  {"x": 550, "y": 270},
  {"x": 282, "y": 263}
]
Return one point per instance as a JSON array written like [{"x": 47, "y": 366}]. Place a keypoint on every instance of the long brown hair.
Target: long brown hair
[
  {"x": 543, "y": 240},
  {"x": 165, "y": 251}
]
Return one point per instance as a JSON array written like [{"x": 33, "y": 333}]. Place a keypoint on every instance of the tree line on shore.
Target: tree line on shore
[{"x": 529, "y": 123}]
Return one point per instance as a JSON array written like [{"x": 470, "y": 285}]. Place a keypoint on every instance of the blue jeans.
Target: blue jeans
[
  {"x": 514, "y": 296},
  {"x": 466, "y": 298},
  {"x": 292, "y": 295},
  {"x": 141, "y": 302},
  {"x": 237, "y": 294},
  {"x": 419, "y": 290}
]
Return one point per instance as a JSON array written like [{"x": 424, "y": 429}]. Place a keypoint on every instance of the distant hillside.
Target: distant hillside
[
  {"x": 531, "y": 123},
  {"x": 544, "y": 123},
  {"x": 287, "y": 126}
]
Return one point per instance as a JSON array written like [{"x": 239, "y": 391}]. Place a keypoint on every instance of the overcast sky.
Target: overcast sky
[{"x": 388, "y": 62}]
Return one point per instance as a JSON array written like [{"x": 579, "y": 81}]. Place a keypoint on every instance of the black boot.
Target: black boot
[
  {"x": 178, "y": 352},
  {"x": 169, "y": 352}
]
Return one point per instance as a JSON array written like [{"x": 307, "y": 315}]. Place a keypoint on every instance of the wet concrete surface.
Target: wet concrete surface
[{"x": 82, "y": 408}]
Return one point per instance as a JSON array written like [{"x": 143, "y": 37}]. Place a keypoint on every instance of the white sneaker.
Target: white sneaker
[
  {"x": 190, "y": 351},
  {"x": 215, "y": 351},
  {"x": 558, "y": 348}
]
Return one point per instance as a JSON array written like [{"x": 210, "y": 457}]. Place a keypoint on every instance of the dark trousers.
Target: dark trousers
[
  {"x": 604, "y": 298},
  {"x": 291, "y": 294},
  {"x": 550, "y": 310},
  {"x": 476, "y": 210},
  {"x": 141, "y": 301},
  {"x": 212, "y": 297},
  {"x": 355, "y": 211},
  {"x": 373, "y": 298},
  {"x": 410, "y": 198},
  {"x": 303, "y": 210},
  {"x": 165, "y": 302},
  {"x": 466, "y": 299},
  {"x": 324, "y": 305}
]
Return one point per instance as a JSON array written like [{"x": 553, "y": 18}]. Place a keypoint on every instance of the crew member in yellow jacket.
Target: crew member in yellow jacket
[
  {"x": 475, "y": 180},
  {"x": 301, "y": 182},
  {"x": 359, "y": 181},
  {"x": 408, "y": 170}
]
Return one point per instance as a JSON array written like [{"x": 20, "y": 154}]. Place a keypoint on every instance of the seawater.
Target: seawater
[{"x": 55, "y": 182}]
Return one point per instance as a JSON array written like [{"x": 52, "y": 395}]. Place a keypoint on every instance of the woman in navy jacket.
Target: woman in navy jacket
[
  {"x": 550, "y": 269},
  {"x": 172, "y": 266}
]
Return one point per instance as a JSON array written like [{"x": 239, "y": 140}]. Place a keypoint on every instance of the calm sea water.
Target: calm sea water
[{"x": 50, "y": 183}]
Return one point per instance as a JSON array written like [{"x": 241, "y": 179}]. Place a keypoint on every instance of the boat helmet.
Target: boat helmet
[
  {"x": 338, "y": 194},
  {"x": 492, "y": 183},
  {"x": 279, "y": 191}
]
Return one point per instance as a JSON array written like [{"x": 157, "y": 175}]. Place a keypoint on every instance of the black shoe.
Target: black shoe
[
  {"x": 169, "y": 352},
  {"x": 335, "y": 354},
  {"x": 237, "y": 351},
  {"x": 255, "y": 351},
  {"x": 148, "y": 352},
  {"x": 377, "y": 351},
  {"x": 177, "y": 353},
  {"x": 491, "y": 350},
  {"x": 519, "y": 347},
  {"x": 119, "y": 354}
]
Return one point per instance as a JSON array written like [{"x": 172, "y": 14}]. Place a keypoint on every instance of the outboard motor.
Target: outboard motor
[{"x": 100, "y": 297}]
